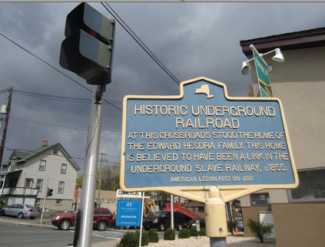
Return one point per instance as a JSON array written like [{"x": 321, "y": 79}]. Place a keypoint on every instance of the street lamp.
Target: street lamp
[
  {"x": 262, "y": 69},
  {"x": 278, "y": 57}
]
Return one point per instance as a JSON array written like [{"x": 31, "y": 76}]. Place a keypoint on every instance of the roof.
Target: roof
[
  {"x": 287, "y": 41},
  {"x": 24, "y": 156}
]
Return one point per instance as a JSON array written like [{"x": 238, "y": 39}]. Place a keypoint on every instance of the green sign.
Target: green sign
[{"x": 262, "y": 71}]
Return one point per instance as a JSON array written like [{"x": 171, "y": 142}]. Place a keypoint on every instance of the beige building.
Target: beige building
[
  {"x": 26, "y": 177},
  {"x": 299, "y": 82},
  {"x": 103, "y": 199}
]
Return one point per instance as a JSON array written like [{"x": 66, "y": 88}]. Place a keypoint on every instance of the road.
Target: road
[
  {"x": 30, "y": 236},
  {"x": 30, "y": 233}
]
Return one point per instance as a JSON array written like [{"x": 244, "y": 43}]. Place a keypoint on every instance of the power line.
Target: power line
[
  {"x": 61, "y": 126},
  {"x": 140, "y": 42},
  {"x": 31, "y": 151},
  {"x": 57, "y": 70},
  {"x": 52, "y": 97},
  {"x": 57, "y": 97}
]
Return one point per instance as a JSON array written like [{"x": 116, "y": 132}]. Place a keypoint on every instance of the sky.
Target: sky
[{"x": 190, "y": 39}]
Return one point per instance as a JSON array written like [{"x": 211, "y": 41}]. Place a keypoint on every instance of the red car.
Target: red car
[{"x": 102, "y": 218}]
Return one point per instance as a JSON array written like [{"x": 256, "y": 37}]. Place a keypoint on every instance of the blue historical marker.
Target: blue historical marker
[
  {"x": 128, "y": 213},
  {"x": 204, "y": 138}
]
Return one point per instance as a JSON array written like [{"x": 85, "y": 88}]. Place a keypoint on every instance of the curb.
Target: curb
[{"x": 24, "y": 223}]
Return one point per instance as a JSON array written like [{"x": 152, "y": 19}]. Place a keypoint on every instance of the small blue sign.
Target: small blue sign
[
  {"x": 128, "y": 213},
  {"x": 205, "y": 138}
]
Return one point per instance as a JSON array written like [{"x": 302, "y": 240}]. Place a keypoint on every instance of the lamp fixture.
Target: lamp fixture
[
  {"x": 246, "y": 68},
  {"x": 278, "y": 57}
]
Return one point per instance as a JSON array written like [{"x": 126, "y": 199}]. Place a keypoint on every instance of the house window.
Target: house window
[
  {"x": 61, "y": 188},
  {"x": 311, "y": 186},
  {"x": 42, "y": 165},
  {"x": 39, "y": 184},
  {"x": 58, "y": 202},
  {"x": 56, "y": 151},
  {"x": 261, "y": 199},
  {"x": 29, "y": 183},
  {"x": 63, "y": 168}
]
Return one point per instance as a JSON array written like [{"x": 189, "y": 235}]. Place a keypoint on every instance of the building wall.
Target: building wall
[
  {"x": 52, "y": 175},
  {"x": 300, "y": 85},
  {"x": 252, "y": 213},
  {"x": 66, "y": 205},
  {"x": 299, "y": 224}
]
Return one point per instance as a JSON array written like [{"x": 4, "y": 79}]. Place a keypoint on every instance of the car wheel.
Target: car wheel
[
  {"x": 20, "y": 215},
  {"x": 2, "y": 213},
  {"x": 65, "y": 225},
  {"x": 162, "y": 227},
  {"x": 179, "y": 227},
  {"x": 32, "y": 218},
  {"x": 101, "y": 225}
]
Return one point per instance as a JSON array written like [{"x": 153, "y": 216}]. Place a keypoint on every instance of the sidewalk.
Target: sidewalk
[
  {"x": 237, "y": 240},
  {"x": 27, "y": 222}
]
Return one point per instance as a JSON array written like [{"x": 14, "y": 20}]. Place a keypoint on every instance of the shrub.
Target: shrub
[
  {"x": 193, "y": 232},
  {"x": 169, "y": 234},
  {"x": 202, "y": 232},
  {"x": 144, "y": 239},
  {"x": 131, "y": 239},
  {"x": 260, "y": 229},
  {"x": 184, "y": 233},
  {"x": 3, "y": 204},
  {"x": 128, "y": 240},
  {"x": 153, "y": 236}
]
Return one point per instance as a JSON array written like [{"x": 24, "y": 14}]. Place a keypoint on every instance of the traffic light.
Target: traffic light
[
  {"x": 88, "y": 47},
  {"x": 49, "y": 192}
]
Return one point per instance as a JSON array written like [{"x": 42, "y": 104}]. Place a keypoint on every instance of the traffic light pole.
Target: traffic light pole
[
  {"x": 44, "y": 201},
  {"x": 90, "y": 171}
]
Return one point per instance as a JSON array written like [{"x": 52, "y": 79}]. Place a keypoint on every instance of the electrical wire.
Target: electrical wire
[
  {"x": 140, "y": 42},
  {"x": 31, "y": 151},
  {"x": 57, "y": 70},
  {"x": 52, "y": 97},
  {"x": 61, "y": 126}
]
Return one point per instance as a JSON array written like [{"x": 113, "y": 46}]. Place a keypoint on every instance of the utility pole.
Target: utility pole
[
  {"x": 100, "y": 177},
  {"x": 3, "y": 141}
]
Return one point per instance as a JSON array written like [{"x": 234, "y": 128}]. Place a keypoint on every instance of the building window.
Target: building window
[
  {"x": 42, "y": 165},
  {"x": 261, "y": 199},
  {"x": 39, "y": 184},
  {"x": 56, "y": 151},
  {"x": 29, "y": 183},
  {"x": 58, "y": 202},
  {"x": 311, "y": 186},
  {"x": 61, "y": 188},
  {"x": 63, "y": 168}
]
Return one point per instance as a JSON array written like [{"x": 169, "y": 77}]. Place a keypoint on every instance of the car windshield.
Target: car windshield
[
  {"x": 161, "y": 214},
  {"x": 29, "y": 206}
]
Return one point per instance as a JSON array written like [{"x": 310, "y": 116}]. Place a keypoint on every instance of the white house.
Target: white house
[{"x": 27, "y": 176}]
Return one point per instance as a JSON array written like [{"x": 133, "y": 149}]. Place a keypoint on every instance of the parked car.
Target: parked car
[
  {"x": 240, "y": 225},
  {"x": 161, "y": 220},
  {"x": 102, "y": 218},
  {"x": 21, "y": 211},
  {"x": 192, "y": 223}
]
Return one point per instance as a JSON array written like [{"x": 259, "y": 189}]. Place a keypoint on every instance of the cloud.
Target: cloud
[{"x": 190, "y": 39}]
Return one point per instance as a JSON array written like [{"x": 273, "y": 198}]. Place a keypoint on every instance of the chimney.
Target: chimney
[{"x": 44, "y": 143}]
